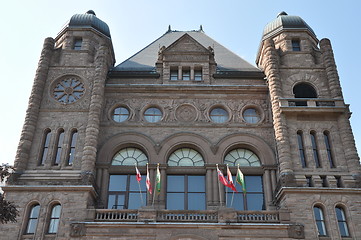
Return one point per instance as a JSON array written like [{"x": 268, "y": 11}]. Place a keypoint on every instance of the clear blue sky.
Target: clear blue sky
[{"x": 236, "y": 24}]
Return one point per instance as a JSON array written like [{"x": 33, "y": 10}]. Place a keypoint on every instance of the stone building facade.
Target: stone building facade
[{"x": 180, "y": 109}]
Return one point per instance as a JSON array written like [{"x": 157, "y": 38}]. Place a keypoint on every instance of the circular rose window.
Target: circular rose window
[{"x": 68, "y": 90}]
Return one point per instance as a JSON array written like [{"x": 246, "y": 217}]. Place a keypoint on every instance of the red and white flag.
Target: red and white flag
[
  {"x": 147, "y": 182},
  {"x": 221, "y": 178},
  {"x": 230, "y": 180},
  {"x": 138, "y": 176}
]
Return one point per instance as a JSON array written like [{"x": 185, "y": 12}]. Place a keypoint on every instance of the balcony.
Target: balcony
[
  {"x": 188, "y": 216},
  {"x": 310, "y": 105}
]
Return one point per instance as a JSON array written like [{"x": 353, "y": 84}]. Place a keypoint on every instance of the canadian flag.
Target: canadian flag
[
  {"x": 230, "y": 180},
  {"x": 147, "y": 182}
]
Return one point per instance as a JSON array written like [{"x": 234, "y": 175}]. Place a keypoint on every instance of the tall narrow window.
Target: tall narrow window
[
  {"x": 296, "y": 46},
  {"x": 71, "y": 154},
  {"x": 197, "y": 74},
  {"x": 59, "y": 147},
  {"x": 315, "y": 150},
  {"x": 174, "y": 74},
  {"x": 320, "y": 221},
  {"x": 33, "y": 219},
  {"x": 54, "y": 219},
  {"x": 77, "y": 43},
  {"x": 186, "y": 74},
  {"x": 301, "y": 149},
  {"x": 342, "y": 222},
  {"x": 186, "y": 192},
  {"x": 45, "y": 150},
  {"x": 328, "y": 149}
]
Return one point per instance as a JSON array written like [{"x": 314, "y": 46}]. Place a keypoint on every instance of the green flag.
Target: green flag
[
  {"x": 157, "y": 184},
  {"x": 240, "y": 180}
]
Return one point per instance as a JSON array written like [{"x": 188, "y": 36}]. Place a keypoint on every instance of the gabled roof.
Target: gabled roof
[{"x": 146, "y": 58}]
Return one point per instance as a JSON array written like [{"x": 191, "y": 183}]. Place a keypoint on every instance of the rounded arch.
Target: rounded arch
[
  {"x": 123, "y": 140},
  {"x": 185, "y": 140},
  {"x": 247, "y": 141},
  {"x": 317, "y": 83},
  {"x": 304, "y": 90}
]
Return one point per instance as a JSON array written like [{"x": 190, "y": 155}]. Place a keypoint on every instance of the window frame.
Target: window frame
[
  {"x": 342, "y": 221},
  {"x": 296, "y": 45},
  {"x": 321, "y": 221},
  {"x": 32, "y": 220},
  {"x": 316, "y": 156},
  {"x": 54, "y": 221},
  {"x": 58, "y": 147},
  {"x": 120, "y": 114},
  {"x": 45, "y": 146},
  {"x": 301, "y": 149},
  {"x": 219, "y": 117},
  {"x": 152, "y": 117},
  {"x": 250, "y": 118},
  {"x": 78, "y": 43},
  {"x": 329, "y": 150},
  {"x": 72, "y": 147}
]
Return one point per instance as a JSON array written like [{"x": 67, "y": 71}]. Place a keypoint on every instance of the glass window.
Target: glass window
[
  {"x": 54, "y": 219},
  {"x": 315, "y": 150},
  {"x": 186, "y": 192},
  {"x": 252, "y": 199},
  {"x": 242, "y": 157},
  {"x": 186, "y": 74},
  {"x": 59, "y": 147},
  {"x": 153, "y": 115},
  {"x": 198, "y": 75},
  {"x": 129, "y": 157},
  {"x": 342, "y": 222},
  {"x": 120, "y": 114},
  {"x": 328, "y": 149},
  {"x": 71, "y": 154},
  {"x": 185, "y": 157},
  {"x": 251, "y": 115},
  {"x": 45, "y": 150},
  {"x": 77, "y": 43},
  {"x": 174, "y": 74},
  {"x": 320, "y": 221},
  {"x": 33, "y": 219},
  {"x": 219, "y": 115},
  {"x": 296, "y": 46},
  {"x": 301, "y": 149},
  {"x": 125, "y": 192}
]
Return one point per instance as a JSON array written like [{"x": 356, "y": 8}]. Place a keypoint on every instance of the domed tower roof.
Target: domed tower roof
[
  {"x": 90, "y": 20},
  {"x": 285, "y": 22}
]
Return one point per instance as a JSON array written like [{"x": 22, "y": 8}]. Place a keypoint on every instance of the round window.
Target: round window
[
  {"x": 251, "y": 115},
  {"x": 120, "y": 114},
  {"x": 68, "y": 90},
  {"x": 219, "y": 115},
  {"x": 153, "y": 115}
]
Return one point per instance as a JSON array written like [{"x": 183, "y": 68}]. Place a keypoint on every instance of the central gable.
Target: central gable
[{"x": 186, "y": 44}]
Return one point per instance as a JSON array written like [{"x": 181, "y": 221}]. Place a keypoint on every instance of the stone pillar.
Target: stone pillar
[
  {"x": 348, "y": 143},
  {"x": 209, "y": 187},
  {"x": 179, "y": 72},
  {"x": 279, "y": 121},
  {"x": 192, "y": 73},
  {"x": 96, "y": 102},
  {"x": 32, "y": 113},
  {"x": 163, "y": 187},
  {"x": 267, "y": 186},
  {"x": 331, "y": 70}
]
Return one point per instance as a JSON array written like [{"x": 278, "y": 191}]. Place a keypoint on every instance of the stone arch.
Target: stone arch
[
  {"x": 311, "y": 79},
  {"x": 189, "y": 140},
  {"x": 119, "y": 141},
  {"x": 242, "y": 140}
]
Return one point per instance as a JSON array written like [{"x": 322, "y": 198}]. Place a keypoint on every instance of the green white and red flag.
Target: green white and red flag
[
  {"x": 138, "y": 176},
  {"x": 240, "y": 179},
  {"x": 157, "y": 180},
  {"x": 147, "y": 182},
  {"x": 230, "y": 180}
]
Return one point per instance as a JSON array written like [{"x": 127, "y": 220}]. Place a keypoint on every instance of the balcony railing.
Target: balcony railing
[{"x": 206, "y": 216}]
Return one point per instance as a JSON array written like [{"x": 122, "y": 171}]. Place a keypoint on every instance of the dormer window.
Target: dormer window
[
  {"x": 186, "y": 73},
  {"x": 296, "y": 46},
  {"x": 77, "y": 43}
]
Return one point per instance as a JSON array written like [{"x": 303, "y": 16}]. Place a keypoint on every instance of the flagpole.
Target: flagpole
[
  {"x": 155, "y": 182},
  {"x": 219, "y": 188},
  {"x": 232, "y": 199}
]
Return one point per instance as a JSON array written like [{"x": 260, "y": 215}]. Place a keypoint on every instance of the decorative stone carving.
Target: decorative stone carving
[
  {"x": 296, "y": 231},
  {"x": 186, "y": 113},
  {"x": 77, "y": 230}
]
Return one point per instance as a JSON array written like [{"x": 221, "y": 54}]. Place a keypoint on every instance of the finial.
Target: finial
[
  {"x": 169, "y": 29},
  {"x": 91, "y": 12},
  {"x": 201, "y": 28}
]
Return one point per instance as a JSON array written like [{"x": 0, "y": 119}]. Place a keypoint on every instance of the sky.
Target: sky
[{"x": 236, "y": 24}]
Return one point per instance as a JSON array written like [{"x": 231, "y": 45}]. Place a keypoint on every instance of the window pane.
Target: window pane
[
  {"x": 116, "y": 201},
  {"x": 255, "y": 201},
  {"x": 175, "y": 201},
  {"x": 251, "y": 115},
  {"x": 196, "y": 201},
  {"x": 32, "y": 226},
  {"x": 117, "y": 183},
  {"x": 33, "y": 219},
  {"x": 196, "y": 184},
  {"x": 254, "y": 184},
  {"x": 120, "y": 114},
  {"x": 153, "y": 115},
  {"x": 237, "y": 203},
  {"x": 135, "y": 200},
  {"x": 175, "y": 184},
  {"x": 134, "y": 186},
  {"x": 219, "y": 115}
]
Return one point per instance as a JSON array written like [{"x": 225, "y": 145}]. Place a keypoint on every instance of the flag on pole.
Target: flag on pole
[
  {"x": 147, "y": 182},
  {"x": 157, "y": 181},
  {"x": 221, "y": 178},
  {"x": 138, "y": 176},
  {"x": 230, "y": 180},
  {"x": 240, "y": 179}
]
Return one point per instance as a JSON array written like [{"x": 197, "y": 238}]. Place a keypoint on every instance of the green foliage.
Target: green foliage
[{"x": 8, "y": 211}]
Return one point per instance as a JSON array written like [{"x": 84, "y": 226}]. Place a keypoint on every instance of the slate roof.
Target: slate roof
[{"x": 146, "y": 58}]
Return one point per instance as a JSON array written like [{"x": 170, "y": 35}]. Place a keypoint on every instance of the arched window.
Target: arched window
[
  {"x": 32, "y": 219},
  {"x": 45, "y": 144},
  {"x": 320, "y": 221},
  {"x": 72, "y": 144},
  {"x": 304, "y": 90},
  {"x": 185, "y": 157},
  {"x": 54, "y": 219},
  {"x": 59, "y": 147},
  {"x": 342, "y": 222},
  {"x": 328, "y": 149},
  {"x": 301, "y": 149},
  {"x": 314, "y": 149},
  {"x": 242, "y": 157},
  {"x": 129, "y": 157}
]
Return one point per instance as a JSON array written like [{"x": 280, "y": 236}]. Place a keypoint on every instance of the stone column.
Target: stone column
[
  {"x": 267, "y": 186},
  {"x": 32, "y": 113},
  {"x": 279, "y": 120},
  {"x": 331, "y": 70},
  {"x": 209, "y": 187},
  {"x": 179, "y": 72},
  {"x": 96, "y": 102}
]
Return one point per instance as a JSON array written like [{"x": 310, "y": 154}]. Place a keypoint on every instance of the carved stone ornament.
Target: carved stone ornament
[
  {"x": 296, "y": 231},
  {"x": 68, "y": 90},
  {"x": 186, "y": 113},
  {"x": 77, "y": 230}
]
